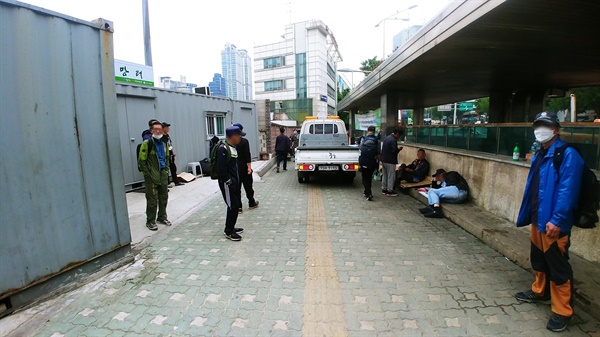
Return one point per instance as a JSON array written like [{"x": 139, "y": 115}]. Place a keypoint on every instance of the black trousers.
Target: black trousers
[
  {"x": 246, "y": 181},
  {"x": 367, "y": 179},
  {"x": 232, "y": 197},
  {"x": 173, "y": 169},
  {"x": 282, "y": 157}
]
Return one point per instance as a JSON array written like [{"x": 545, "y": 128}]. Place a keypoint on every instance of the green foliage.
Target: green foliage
[
  {"x": 482, "y": 105},
  {"x": 342, "y": 94},
  {"x": 369, "y": 65},
  {"x": 587, "y": 98}
]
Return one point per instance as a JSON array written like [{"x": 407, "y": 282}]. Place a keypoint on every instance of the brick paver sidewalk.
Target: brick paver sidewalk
[{"x": 316, "y": 259}]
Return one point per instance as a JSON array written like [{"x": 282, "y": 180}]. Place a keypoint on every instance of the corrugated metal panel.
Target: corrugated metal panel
[
  {"x": 60, "y": 204},
  {"x": 187, "y": 115}
]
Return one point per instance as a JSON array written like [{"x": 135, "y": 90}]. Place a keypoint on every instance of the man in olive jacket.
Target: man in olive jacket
[{"x": 153, "y": 163}]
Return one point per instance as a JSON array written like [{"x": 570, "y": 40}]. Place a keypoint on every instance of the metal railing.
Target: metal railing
[{"x": 500, "y": 139}]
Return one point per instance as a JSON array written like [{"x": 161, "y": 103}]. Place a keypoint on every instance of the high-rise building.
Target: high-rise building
[
  {"x": 401, "y": 38},
  {"x": 218, "y": 86},
  {"x": 298, "y": 75},
  {"x": 237, "y": 71}
]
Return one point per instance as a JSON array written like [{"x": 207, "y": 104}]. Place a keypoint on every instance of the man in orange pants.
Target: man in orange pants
[{"x": 549, "y": 202}]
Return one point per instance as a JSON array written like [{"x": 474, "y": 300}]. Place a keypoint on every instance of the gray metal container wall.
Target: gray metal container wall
[
  {"x": 63, "y": 200},
  {"x": 187, "y": 115}
]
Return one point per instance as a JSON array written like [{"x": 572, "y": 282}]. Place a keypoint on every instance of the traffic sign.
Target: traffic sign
[{"x": 465, "y": 106}]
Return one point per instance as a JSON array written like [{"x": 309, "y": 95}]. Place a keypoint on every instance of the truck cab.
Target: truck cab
[{"x": 323, "y": 149}]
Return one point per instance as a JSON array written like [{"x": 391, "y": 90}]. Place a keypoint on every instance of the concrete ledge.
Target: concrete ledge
[
  {"x": 264, "y": 168},
  {"x": 514, "y": 243}
]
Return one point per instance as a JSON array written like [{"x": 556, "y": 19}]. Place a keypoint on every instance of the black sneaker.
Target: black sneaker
[
  {"x": 391, "y": 194},
  {"x": 285, "y": 169},
  {"x": 233, "y": 237},
  {"x": 384, "y": 192},
  {"x": 370, "y": 198},
  {"x": 240, "y": 211},
  {"x": 165, "y": 222},
  {"x": 530, "y": 296},
  {"x": 435, "y": 213},
  {"x": 152, "y": 226},
  {"x": 278, "y": 170},
  {"x": 426, "y": 210},
  {"x": 237, "y": 230},
  {"x": 255, "y": 205},
  {"x": 558, "y": 323}
]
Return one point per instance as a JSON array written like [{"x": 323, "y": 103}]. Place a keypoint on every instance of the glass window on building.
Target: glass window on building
[
  {"x": 274, "y": 85},
  {"x": 215, "y": 125},
  {"x": 330, "y": 91},
  {"x": 274, "y": 62},
  {"x": 330, "y": 71},
  {"x": 301, "y": 85}
]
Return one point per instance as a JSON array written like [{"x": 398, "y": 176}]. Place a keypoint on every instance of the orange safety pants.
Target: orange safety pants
[{"x": 553, "y": 273}]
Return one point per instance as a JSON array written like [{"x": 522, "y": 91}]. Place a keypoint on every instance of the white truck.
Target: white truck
[{"x": 323, "y": 149}]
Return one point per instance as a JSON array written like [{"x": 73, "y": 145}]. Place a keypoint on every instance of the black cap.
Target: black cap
[
  {"x": 546, "y": 117},
  {"x": 438, "y": 172},
  {"x": 165, "y": 124},
  {"x": 239, "y": 126},
  {"x": 234, "y": 130},
  {"x": 371, "y": 128}
]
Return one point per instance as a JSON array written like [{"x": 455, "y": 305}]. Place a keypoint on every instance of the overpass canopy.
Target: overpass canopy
[{"x": 473, "y": 48}]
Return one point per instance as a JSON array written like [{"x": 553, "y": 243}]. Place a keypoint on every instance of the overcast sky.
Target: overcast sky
[{"x": 188, "y": 35}]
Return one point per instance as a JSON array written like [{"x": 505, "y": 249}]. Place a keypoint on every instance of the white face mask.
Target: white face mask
[
  {"x": 543, "y": 134},
  {"x": 157, "y": 136}
]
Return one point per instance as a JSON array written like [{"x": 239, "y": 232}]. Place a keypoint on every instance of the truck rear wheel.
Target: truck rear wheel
[
  {"x": 302, "y": 178},
  {"x": 349, "y": 178}
]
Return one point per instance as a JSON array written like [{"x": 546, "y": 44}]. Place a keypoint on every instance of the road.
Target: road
[{"x": 316, "y": 259}]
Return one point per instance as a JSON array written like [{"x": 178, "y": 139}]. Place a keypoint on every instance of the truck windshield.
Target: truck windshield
[{"x": 319, "y": 129}]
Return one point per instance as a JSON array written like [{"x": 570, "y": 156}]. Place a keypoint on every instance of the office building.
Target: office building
[
  {"x": 401, "y": 38},
  {"x": 218, "y": 86},
  {"x": 237, "y": 70},
  {"x": 298, "y": 74},
  {"x": 167, "y": 83}
]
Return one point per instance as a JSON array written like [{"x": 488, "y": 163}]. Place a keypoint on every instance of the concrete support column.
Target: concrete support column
[
  {"x": 389, "y": 113},
  {"x": 352, "y": 124},
  {"x": 418, "y": 116},
  {"x": 525, "y": 105},
  {"x": 499, "y": 106}
]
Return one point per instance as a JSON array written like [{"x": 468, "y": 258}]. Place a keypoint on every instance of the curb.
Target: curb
[
  {"x": 265, "y": 168},
  {"x": 502, "y": 236}
]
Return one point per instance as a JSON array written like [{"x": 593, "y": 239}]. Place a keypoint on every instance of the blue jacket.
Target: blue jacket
[{"x": 558, "y": 195}]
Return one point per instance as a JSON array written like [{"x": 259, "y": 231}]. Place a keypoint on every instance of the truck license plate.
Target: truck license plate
[{"x": 328, "y": 168}]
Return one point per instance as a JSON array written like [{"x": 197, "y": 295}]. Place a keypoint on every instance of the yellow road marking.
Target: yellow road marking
[{"x": 323, "y": 302}]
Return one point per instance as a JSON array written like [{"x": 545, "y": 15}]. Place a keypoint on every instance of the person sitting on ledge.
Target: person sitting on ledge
[
  {"x": 449, "y": 187},
  {"x": 414, "y": 172}
]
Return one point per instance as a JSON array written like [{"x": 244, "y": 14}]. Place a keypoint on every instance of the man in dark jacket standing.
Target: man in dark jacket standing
[
  {"x": 549, "y": 203},
  {"x": 449, "y": 187},
  {"x": 369, "y": 155},
  {"x": 389, "y": 160},
  {"x": 153, "y": 164},
  {"x": 282, "y": 148},
  {"x": 245, "y": 169},
  {"x": 229, "y": 180}
]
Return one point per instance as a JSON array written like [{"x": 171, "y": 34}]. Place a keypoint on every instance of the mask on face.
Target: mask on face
[
  {"x": 543, "y": 134},
  {"x": 157, "y": 136}
]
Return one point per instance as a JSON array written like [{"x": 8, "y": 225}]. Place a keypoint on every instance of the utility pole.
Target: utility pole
[{"x": 147, "y": 44}]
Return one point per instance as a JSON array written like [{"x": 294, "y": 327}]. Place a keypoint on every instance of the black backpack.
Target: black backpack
[
  {"x": 368, "y": 152},
  {"x": 586, "y": 215},
  {"x": 214, "y": 173}
]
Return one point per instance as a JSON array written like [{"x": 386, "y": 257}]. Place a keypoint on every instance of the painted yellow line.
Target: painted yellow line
[{"x": 323, "y": 302}]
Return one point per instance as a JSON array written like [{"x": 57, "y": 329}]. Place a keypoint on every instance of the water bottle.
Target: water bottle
[{"x": 516, "y": 153}]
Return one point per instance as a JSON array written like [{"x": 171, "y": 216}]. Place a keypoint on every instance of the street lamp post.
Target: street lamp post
[{"x": 392, "y": 17}]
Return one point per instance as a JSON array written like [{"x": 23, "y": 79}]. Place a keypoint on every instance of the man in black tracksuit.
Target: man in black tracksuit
[
  {"x": 229, "y": 180},
  {"x": 245, "y": 170}
]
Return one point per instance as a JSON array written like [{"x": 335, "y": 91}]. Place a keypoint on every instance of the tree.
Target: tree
[
  {"x": 344, "y": 115},
  {"x": 483, "y": 105},
  {"x": 342, "y": 94},
  {"x": 588, "y": 98},
  {"x": 369, "y": 65}
]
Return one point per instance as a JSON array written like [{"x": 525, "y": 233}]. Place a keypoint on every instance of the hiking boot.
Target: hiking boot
[
  {"x": 558, "y": 323},
  {"x": 530, "y": 296},
  {"x": 426, "y": 210},
  {"x": 233, "y": 237},
  {"x": 391, "y": 194},
  {"x": 165, "y": 222},
  {"x": 435, "y": 213},
  {"x": 152, "y": 226},
  {"x": 255, "y": 205},
  {"x": 237, "y": 230}
]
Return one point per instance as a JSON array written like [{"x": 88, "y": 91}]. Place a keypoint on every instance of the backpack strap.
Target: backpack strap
[
  {"x": 228, "y": 148},
  {"x": 559, "y": 154}
]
